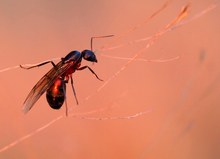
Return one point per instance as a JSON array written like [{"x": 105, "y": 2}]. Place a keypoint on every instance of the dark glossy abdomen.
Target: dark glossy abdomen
[{"x": 56, "y": 94}]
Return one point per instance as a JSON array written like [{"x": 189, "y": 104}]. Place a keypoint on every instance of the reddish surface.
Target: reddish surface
[{"x": 183, "y": 95}]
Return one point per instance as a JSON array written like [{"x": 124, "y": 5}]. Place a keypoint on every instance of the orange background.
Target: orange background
[{"x": 182, "y": 96}]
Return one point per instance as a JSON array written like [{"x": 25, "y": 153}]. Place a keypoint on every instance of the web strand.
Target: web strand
[
  {"x": 137, "y": 26},
  {"x": 141, "y": 59},
  {"x": 151, "y": 41},
  {"x": 177, "y": 22}
]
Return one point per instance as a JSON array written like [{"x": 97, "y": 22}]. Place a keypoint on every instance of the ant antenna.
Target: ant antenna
[{"x": 106, "y": 36}]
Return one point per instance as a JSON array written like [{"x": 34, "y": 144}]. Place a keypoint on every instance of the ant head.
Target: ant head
[{"x": 89, "y": 55}]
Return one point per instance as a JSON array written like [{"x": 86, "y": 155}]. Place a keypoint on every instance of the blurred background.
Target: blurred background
[{"x": 181, "y": 96}]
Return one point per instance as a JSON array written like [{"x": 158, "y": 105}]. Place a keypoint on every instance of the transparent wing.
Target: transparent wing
[{"x": 44, "y": 83}]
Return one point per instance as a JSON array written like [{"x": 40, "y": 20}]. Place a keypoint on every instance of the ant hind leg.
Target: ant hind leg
[{"x": 38, "y": 65}]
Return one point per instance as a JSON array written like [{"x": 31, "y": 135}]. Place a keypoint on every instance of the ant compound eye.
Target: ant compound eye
[{"x": 89, "y": 55}]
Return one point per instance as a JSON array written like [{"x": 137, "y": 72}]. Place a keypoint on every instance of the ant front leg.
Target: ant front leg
[
  {"x": 64, "y": 81},
  {"x": 84, "y": 67},
  {"x": 38, "y": 65}
]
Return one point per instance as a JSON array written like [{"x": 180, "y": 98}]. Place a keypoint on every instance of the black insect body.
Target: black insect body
[{"x": 54, "y": 81}]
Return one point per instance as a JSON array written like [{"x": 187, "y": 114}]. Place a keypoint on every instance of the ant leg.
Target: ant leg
[
  {"x": 74, "y": 92},
  {"x": 64, "y": 90},
  {"x": 38, "y": 65},
  {"x": 84, "y": 67}
]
